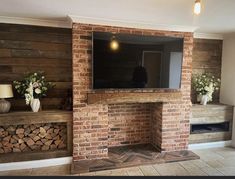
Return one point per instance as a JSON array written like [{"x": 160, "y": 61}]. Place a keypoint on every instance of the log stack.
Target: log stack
[{"x": 34, "y": 137}]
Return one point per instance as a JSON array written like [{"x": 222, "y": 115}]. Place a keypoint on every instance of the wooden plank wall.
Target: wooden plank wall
[
  {"x": 30, "y": 49},
  {"x": 207, "y": 57}
]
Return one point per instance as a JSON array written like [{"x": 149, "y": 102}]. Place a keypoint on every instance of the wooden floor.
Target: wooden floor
[{"x": 212, "y": 162}]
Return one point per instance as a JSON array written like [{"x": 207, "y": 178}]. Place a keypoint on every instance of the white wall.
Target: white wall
[{"x": 227, "y": 94}]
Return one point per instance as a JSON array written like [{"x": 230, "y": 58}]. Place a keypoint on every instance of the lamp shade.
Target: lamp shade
[{"x": 6, "y": 91}]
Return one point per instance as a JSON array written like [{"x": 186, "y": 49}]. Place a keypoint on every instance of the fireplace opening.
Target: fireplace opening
[{"x": 209, "y": 128}]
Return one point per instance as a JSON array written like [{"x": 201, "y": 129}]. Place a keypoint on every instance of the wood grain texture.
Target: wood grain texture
[
  {"x": 31, "y": 48},
  {"x": 132, "y": 97},
  {"x": 15, "y": 157},
  {"x": 207, "y": 57},
  {"x": 209, "y": 137},
  {"x": 211, "y": 114},
  {"x": 21, "y": 118}
]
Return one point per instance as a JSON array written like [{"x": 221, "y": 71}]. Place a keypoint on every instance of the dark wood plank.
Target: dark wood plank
[
  {"x": 20, "y": 118},
  {"x": 207, "y": 57},
  {"x": 16, "y": 157},
  {"x": 31, "y": 48}
]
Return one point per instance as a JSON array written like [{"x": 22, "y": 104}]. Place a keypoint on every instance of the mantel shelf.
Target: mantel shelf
[
  {"x": 27, "y": 117},
  {"x": 132, "y": 97}
]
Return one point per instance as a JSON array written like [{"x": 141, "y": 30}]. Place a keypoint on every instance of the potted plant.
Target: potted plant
[
  {"x": 33, "y": 87},
  {"x": 205, "y": 85}
]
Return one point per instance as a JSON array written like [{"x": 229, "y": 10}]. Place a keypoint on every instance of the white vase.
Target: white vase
[
  {"x": 204, "y": 100},
  {"x": 199, "y": 98},
  {"x": 35, "y": 105}
]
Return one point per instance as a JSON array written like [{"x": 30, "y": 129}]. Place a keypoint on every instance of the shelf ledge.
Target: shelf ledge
[{"x": 28, "y": 117}]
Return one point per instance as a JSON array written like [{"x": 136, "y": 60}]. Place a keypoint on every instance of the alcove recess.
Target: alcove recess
[
  {"x": 211, "y": 123},
  {"x": 46, "y": 134}
]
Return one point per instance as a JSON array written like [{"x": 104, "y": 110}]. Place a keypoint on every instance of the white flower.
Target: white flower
[
  {"x": 30, "y": 89},
  {"x": 28, "y": 98},
  {"x": 35, "y": 74},
  {"x": 35, "y": 84},
  {"x": 38, "y": 91}
]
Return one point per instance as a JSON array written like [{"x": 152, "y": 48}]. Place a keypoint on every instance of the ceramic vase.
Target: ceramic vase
[
  {"x": 204, "y": 100},
  {"x": 35, "y": 105}
]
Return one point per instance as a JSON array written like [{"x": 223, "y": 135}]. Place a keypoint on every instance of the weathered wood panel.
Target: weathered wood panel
[
  {"x": 132, "y": 97},
  {"x": 207, "y": 56},
  {"x": 22, "y": 118},
  {"x": 211, "y": 114},
  {"x": 29, "y": 49},
  {"x": 15, "y": 157},
  {"x": 209, "y": 137}
]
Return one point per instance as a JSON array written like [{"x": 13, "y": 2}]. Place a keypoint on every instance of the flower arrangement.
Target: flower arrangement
[
  {"x": 33, "y": 86},
  {"x": 205, "y": 84}
]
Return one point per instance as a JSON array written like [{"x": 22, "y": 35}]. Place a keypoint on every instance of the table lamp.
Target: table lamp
[{"x": 5, "y": 92}]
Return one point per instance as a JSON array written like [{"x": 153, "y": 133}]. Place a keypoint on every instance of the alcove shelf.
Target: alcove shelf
[
  {"x": 28, "y": 117},
  {"x": 22, "y": 119},
  {"x": 211, "y": 123}
]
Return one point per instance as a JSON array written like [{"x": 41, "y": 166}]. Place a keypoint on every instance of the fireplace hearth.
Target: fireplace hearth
[{"x": 130, "y": 156}]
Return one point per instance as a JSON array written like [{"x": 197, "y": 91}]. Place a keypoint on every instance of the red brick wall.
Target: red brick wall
[
  {"x": 91, "y": 122},
  {"x": 156, "y": 125},
  {"x": 129, "y": 124}
]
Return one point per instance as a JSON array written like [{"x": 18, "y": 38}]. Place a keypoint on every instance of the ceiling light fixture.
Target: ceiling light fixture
[
  {"x": 114, "y": 44},
  {"x": 197, "y": 7}
]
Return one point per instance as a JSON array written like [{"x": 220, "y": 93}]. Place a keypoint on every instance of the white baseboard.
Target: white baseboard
[
  {"x": 210, "y": 145},
  {"x": 35, "y": 164}
]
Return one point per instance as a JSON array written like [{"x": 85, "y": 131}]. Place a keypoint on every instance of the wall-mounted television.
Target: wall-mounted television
[{"x": 125, "y": 61}]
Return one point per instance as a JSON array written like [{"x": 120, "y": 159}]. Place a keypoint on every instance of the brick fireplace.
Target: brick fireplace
[{"x": 109, "y": 118}]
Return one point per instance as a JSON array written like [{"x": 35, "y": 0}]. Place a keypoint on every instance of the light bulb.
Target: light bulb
[
  {"x": 114, "y": 45},
  {"x": 197, "y": 7}
]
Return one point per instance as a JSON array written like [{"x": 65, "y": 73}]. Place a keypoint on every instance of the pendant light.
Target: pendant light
[
  {"x": 197, "y": 7},
  {"x": 114, "y": 44}
]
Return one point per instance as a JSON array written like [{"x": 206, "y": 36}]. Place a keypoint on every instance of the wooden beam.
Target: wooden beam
[{"x": 132, "y": 97}]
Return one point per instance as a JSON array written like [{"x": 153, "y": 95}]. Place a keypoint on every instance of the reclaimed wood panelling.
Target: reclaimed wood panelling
[
  {"x": 211, "y": 114},
  {"x": 207, "y": 56},
  {"x": 31, "y": 48}
]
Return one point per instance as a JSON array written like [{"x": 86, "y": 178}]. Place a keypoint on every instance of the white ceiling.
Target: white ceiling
[{"x": 217, "y": 15}]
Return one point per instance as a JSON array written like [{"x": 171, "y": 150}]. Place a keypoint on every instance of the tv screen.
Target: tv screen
[{"x": 124, "y": 61}]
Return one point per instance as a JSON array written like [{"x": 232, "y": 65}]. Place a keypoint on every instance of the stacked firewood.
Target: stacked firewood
[{"x": 34, "y": 137}]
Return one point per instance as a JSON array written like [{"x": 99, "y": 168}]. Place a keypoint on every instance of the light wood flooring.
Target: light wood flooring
[{"x": 212, "y": 162}]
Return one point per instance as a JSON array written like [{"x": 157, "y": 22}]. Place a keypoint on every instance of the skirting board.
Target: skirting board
[
  {"x": 210, "y": 145},
  {"x": 35, "y": 164}
]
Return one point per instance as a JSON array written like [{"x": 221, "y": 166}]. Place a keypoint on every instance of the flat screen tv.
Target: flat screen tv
[{"x": 124, "y": 61}]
